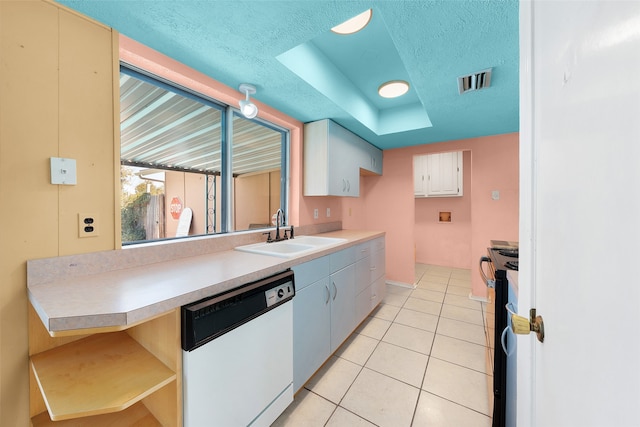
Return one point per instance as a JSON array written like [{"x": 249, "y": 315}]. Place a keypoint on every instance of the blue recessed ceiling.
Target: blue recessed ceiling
[
  {"x": 301, "y": 68},
  {"x": 349, "y": 69}
]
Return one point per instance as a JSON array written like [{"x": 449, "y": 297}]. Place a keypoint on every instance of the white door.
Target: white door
[{"x": 580, "y": 213}]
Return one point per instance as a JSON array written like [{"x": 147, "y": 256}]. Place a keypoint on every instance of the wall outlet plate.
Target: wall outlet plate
[
  {"x": 328, "y": 212},
  {"x": 87, "y": 225},
  {"x": 315, "y": 213}
]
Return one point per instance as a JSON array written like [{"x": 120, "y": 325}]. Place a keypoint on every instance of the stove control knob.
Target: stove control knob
[{"x": 280, "y": 293}]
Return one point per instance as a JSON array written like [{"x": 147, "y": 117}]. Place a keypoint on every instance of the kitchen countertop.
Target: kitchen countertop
[{"x": 124, "y": 296}]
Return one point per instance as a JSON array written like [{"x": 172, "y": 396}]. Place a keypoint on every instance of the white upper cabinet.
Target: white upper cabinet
[
  {"x": 370, "y": 158},
  {"x": 438, "y": 175},
  {"x": 333, "y": 158}
]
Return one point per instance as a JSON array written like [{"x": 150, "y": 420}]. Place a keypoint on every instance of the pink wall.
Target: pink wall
[
  {"x": 387, "y": 203},
  {"x": 442, "y": 243}
]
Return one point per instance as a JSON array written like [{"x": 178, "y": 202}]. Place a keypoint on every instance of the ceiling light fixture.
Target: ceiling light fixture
[
  {"x": 354, "y": 24},
  {"x": 248, "y": 108},
  {"x": 393, "y": 89}
]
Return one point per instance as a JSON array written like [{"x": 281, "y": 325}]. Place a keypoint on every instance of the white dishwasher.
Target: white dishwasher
[{"x": 237, "y": 358}]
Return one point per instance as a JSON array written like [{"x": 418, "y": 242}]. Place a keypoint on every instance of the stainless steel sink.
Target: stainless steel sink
[{"x": 293, "y": 247}]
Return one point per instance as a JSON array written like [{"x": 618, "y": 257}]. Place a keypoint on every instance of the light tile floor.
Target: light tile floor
[{"x": 417, "y": 360}]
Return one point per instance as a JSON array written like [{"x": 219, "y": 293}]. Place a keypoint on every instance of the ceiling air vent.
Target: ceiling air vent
[{"x": 474, "y": 81}]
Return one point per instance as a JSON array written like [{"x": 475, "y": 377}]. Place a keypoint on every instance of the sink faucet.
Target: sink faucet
[{"x": 279, "y": 222}]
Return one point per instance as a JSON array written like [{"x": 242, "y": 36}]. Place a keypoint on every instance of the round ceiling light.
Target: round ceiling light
[
  {"x": 393, "y": 89},
  {"x": 354, "y": 24}
]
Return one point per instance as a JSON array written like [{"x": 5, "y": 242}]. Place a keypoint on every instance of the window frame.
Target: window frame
[{"x": 228, "y": 113}]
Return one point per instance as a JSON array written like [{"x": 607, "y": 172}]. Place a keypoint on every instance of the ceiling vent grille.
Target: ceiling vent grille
[{"x": 475, "y": 81}]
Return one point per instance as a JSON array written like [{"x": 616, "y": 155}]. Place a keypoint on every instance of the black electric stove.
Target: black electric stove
[{"x": 502, "y": 259}]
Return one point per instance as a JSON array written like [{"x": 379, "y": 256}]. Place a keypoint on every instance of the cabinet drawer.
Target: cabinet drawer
[
  {"x": 343, "y": 258},
  {"x": 310, "y": 272},
  {"x": 377, "y": 244},
  {"x": 377, "y": 264},
  {"x": 369, "y": 298},
  {"x": 363, "y": 250}
]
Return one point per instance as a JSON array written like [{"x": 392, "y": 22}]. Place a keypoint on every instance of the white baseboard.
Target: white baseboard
[
  {"x": 401, "y": 284},
  {"x": 477, "y": 298}
]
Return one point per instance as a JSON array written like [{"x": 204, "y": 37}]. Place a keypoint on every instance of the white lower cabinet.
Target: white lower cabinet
[
  {"x": 333, "y": 295},
  {"x": 343, "y": 316},
  {"x": 311, "y": 330}
]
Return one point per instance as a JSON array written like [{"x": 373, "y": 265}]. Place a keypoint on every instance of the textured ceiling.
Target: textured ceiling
[{"x": 300, "y": 68}]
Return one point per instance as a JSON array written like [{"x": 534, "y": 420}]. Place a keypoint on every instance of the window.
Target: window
[{"x": 193, "y": 166}]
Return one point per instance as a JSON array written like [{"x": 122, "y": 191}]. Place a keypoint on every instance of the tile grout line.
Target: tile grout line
[{"x": 424, "y": 375}]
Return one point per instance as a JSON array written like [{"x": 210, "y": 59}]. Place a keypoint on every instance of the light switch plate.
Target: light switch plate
[
  {"x": 328, "y": 212},
  {"x": 63, "y": 171},
  {"x": 495, "y": 195}
]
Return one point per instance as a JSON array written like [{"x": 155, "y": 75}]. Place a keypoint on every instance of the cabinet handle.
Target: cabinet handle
[
  {"x": 328, "y": 294},
  {"x": 348, "y": 186},
  {"x": 335, "y": 290},
  {"x": 344, "y": 185},
  {"x": 374, "y": 296},
  {"x": 373, "y": 268}
]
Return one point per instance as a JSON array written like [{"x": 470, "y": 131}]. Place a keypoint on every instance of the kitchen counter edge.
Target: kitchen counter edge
[{"x": 121, "y": 298}]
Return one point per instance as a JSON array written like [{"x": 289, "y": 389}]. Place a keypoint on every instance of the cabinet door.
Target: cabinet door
[
  {"x": 344, "y": 171},
  {"x": 419, "y": 163},
  {"x": 363, "y": 274},
  {"x": 444, "y": 174},
  {"x": 375, "y": 154},
  {"x": 370, "y": 157},
  {"x": 343, "y": 318},
  {"x": 333, "y": 159},
  {"x": 311, "y": 330}
]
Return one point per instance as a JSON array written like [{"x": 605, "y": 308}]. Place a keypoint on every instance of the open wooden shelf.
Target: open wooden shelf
[
  {"x": 135, "y": 416},
  {"x": 100, "y": 374}
]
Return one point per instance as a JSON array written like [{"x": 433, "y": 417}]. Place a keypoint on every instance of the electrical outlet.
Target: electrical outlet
[
  {"x": 87, "y": 225},
  {"x": 328, "y": 212},
  {"x": 315, "y": 214}
]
